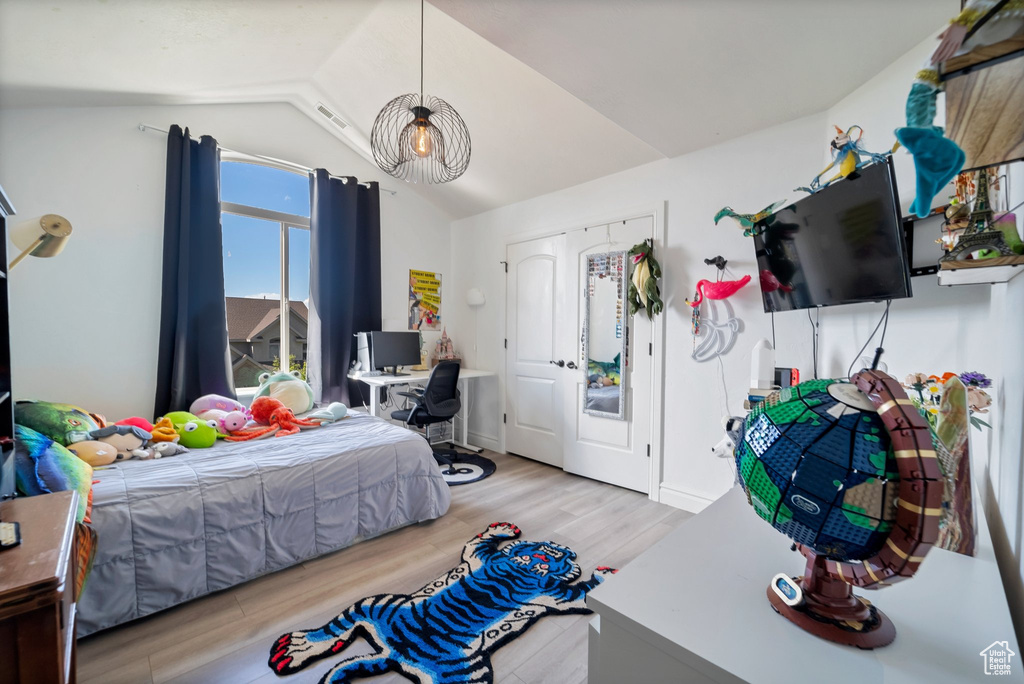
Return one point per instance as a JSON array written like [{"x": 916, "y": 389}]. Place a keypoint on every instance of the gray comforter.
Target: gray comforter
[{"x": 176, "y": 528}]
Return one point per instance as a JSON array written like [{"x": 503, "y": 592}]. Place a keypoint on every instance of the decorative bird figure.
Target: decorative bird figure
[
  {"x": 719, "y": 289},
  {"x": 747, "y": 221},
  {"x": 849, "y": 155}
]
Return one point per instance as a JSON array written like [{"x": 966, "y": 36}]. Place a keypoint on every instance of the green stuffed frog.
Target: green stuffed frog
[
  {"x": 195, "y": 432},
  {"x": 288, "y": 388}
]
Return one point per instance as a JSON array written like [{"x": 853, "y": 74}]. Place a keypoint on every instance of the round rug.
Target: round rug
[{"x": 469, "y": 468}]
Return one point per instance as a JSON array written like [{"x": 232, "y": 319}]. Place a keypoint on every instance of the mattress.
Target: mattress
[{"x": 177, "y": 528}]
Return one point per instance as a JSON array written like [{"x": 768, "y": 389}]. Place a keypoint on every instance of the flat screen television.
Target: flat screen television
[{"x": 843, "y": 244}]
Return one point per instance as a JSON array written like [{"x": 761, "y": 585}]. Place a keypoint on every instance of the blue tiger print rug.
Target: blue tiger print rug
[{"x": 446, "y": 632}]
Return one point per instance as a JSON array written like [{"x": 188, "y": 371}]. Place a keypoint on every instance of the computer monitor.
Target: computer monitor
[{"x": 394, "y": 349}]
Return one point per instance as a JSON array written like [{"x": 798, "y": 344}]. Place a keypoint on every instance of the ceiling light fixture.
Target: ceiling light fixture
[{"x": 420, "y": 138}]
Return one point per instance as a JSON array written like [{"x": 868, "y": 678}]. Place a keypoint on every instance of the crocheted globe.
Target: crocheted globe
[{"x": 817, "y": 463}]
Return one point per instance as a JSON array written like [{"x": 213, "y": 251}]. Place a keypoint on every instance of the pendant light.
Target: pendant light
[{"x": 420, "y": 138}]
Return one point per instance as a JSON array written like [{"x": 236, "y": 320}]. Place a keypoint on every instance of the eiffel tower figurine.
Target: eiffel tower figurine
[{"x": 979, "y": 233}]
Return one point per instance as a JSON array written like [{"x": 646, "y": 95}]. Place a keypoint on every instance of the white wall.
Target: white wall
[
  {"x": 84, "y": 325},
  {"x": 939, "y": 329},
  {"x": 747, "y": 174},
  {"x": 964, "y": 328}
]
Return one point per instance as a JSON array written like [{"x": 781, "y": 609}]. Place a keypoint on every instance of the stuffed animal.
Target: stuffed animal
[
  {"x": 229, "y": 414},
  {"x": 164, "y": 431},
  {"x": 274, "y": 418},
  {"x": 137, "y": 422},
  {"x": 94, "y": 453},
  {"x": 125, "y": 439},
  {"x": 163, "y": 449},
  {"x": 195, "y": 433},
  {"x": 42, "y": 466},
  {"x": 63, "y": 423},
  {"x": 159, "y": 450},
  {"x": 288, "y": 388},
  {"x": 329, "y": 414},
  {"x": 226, "y": 420}
]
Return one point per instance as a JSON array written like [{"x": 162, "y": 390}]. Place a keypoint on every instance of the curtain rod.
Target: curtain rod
[{"x": 299, "y": 167}]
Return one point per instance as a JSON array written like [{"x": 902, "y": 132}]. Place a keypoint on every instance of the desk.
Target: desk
[
  {"x": 692, "y": 608},
  {"x": 420, "y": 378}
]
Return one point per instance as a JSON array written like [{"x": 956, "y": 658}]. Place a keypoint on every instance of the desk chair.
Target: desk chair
[{"x": 438, "y": 402}]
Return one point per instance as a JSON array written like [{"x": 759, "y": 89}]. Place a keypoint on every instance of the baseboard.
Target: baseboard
[
  {"x": 484, "y": 441},
  {"x": 687, "y": 501}
]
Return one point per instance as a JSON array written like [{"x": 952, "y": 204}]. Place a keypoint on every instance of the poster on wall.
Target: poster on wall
[{"x": 424, "y": 300}]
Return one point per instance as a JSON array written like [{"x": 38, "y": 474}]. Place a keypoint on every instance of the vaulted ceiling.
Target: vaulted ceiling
[{"x": 555, "y": 92}]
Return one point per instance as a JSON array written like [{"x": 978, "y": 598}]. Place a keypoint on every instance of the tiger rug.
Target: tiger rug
[{"x": 446, "y": 632}]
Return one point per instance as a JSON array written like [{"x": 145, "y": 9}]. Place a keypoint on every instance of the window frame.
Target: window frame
[{"x": 285, "y": 222}]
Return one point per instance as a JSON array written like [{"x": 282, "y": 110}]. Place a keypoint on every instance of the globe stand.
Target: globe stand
[{"x": 830, "y": 609}]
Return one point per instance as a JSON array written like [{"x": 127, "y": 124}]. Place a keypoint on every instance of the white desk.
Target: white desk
[
  {"x": 420, "y": 378},
  {"x": 692, "y": 608}
]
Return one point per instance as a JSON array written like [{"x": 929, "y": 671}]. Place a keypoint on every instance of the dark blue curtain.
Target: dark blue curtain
[
  {"x": 344, "y": 280},
  {"x": 193, "y": 346}
]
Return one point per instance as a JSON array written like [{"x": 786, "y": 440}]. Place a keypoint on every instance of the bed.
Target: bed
[{"x": 174, "y": 529}]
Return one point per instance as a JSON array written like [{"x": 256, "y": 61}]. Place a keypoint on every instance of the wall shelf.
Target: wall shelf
[{"x": 980, "y": 275}]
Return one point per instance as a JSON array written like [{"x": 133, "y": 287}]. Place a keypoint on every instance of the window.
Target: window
[{"x": 265, "y": 220}]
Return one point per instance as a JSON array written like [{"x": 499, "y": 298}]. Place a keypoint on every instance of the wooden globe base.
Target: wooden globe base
[
  {"x": 883, "y": 633},
  {"x": 831, "y": 611}
]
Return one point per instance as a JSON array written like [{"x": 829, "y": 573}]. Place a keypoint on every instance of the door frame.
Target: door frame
[{"x": 657, "y": 212}]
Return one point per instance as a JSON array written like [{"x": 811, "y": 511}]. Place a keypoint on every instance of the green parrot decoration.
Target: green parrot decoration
[
  {"x": 643, "y": 286},
  {"x": 747, "y": 221}
]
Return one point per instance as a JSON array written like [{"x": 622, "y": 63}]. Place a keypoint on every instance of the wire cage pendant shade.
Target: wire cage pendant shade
[{"x": 420, "y": 138}]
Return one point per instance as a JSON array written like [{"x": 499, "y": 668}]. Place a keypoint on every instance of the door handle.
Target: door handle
[
  {"x": 560, "y": 363},
  {"x": 571, "y": 365}
]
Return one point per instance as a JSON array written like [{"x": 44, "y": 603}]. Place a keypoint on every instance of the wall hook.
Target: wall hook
[{"x": 718, "y": 261}]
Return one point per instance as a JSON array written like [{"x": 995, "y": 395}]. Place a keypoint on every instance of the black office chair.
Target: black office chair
[{"x": 438, "y": 402}]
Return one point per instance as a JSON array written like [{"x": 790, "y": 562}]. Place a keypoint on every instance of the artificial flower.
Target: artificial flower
[
  {"x": 975, "y": 379},
  {"x": 915, "y": 379},
  {"x": 978, "y": 400}
]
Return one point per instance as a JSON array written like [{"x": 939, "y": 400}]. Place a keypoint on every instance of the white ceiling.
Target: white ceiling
[{"x": 555, "y": 93}]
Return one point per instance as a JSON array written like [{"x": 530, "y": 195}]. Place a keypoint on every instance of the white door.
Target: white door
[
  {"x": 602, "y": 448},
  {"x": 536, "y": 330}
]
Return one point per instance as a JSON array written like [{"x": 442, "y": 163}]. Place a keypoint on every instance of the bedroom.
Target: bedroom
[{"x": 608, "y": 123}]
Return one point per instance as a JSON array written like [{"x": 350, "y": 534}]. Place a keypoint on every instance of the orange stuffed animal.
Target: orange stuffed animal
[
  {"x": 163, "y": 431},
  {"x": 275, "y": 419}
]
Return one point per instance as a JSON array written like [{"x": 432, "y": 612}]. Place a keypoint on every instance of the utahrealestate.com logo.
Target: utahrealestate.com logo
[{"x": 997, "y": 658}]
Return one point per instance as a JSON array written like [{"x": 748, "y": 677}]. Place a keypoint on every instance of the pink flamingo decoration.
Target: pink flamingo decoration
[{"x": 720, "y": 289}]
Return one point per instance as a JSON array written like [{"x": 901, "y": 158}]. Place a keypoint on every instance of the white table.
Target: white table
[
  {"x": 692, "y": 608},
  {"x": 420, "y": 378}
]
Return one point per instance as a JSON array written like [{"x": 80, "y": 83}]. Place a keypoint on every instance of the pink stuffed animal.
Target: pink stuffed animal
[{"x": 229, "y": 414}]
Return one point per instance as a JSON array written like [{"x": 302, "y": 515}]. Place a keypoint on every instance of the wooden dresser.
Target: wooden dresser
[{"x": 37, "y": 580}]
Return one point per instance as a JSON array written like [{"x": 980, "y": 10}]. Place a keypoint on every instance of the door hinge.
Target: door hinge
[
  {"x": 650, "y": 349},
  {"x": 648, "y": 451},
  {"x": 505, "y": 264},
  {"x": 506, "y": 343},
  {"x": 504, "y": 417}
]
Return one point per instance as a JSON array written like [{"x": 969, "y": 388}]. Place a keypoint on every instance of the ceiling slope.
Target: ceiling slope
[{"x": 554, "y": 93}]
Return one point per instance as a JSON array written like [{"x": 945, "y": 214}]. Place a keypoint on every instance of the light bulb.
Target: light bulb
[{"x": 421, "y": 141}]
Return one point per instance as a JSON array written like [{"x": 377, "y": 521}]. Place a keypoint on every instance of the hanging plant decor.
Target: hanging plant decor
[{"x": 643, "y": 286}]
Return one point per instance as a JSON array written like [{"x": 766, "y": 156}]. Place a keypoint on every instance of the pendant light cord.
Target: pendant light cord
[{"x": 421, "y": 51}]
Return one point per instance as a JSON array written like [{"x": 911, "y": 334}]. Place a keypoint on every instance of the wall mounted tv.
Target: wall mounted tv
[{"x": 841, "y": 245}]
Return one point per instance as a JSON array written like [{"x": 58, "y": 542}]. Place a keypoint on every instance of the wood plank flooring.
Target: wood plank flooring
[{"x": 225, "y": 637}]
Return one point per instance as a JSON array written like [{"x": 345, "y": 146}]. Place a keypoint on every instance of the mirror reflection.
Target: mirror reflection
[{"x": 604, "y": 346}]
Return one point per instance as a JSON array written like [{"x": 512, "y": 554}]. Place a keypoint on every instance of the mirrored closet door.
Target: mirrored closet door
[{"x": 578, "y": 366}]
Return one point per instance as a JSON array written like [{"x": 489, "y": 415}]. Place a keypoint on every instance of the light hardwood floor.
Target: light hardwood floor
[{"x": 226, "y": 637}]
